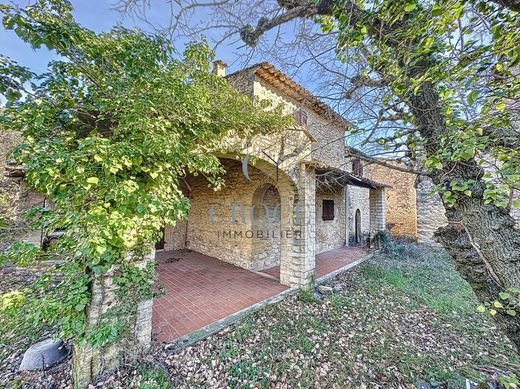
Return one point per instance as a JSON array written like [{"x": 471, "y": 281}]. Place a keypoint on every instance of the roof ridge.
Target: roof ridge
[{"x": 312, "y": 101}]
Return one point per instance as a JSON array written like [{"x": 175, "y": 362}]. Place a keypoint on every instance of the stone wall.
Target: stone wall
[
  {"x": 430, "y": 211},
  {"x": 15, "y": 198},
  {"x": 358, "y": 198},
  {"x": 377, "y": 199},
  {"x": 330, "y": 234},
  {"x": 266, "y": 218},
  {"x": 401, "y": 199},
  {"x": 299, "y": 269},
  {"x": 175, "y": 237},
  {"x": 219, "y": 223},
  {"x": 330, "y": 139}
]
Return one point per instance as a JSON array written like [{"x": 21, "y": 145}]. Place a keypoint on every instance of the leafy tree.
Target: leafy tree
[
  {"x": 107, "y": 134},
  {"x": 437, "y": 81},
  {"x": 447, "y": 73}
]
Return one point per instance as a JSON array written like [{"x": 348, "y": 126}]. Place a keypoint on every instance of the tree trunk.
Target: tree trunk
[
  {"x": 88, "y": 362},
  {"x": 488, "y": 229},
  {"x": 473, "y": 269}
]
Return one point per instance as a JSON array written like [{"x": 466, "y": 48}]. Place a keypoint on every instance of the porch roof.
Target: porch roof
[{"x": 329, "y": 177}]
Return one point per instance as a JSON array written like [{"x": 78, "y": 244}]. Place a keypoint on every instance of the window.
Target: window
[
  {"x": 357, "y": 167},
  {"x": 328, "y": 210},
  {"x": 300, "y": 117}
]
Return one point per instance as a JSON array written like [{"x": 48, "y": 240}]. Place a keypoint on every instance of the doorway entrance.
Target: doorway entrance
[{"x": 357, "y": 223}]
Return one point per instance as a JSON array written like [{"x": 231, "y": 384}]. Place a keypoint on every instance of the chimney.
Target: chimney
[{"x": 219, "y": 68}]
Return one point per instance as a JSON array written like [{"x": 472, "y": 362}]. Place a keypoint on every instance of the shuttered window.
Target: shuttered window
[
  {"x": 357, "y": 168},
  {"x": 300, "y": 117},
  {"x": 328, "y": 210}
]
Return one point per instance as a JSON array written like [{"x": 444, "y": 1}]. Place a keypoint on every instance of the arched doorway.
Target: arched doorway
[
  {"x": 265, "y": 225},
  {"x": 357, "y": 225}
]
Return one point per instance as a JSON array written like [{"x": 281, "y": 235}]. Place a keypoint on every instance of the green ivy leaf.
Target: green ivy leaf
[
  {"x": 472, "y": 96},
  {"x": 410, "y": 6}
]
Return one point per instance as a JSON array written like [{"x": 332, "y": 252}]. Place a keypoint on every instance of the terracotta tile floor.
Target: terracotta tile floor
[
  {"x": 202, "y": 289},
  {"x": 329, "y": 261}
]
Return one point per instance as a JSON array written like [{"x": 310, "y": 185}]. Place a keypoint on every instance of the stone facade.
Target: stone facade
[
  {"x": 231, "y": 224},
  {"x": 430, "y": 211},
  {"x": 359, "y": 203},
  {"x": 401, "y": 198},
  {"x": 328, "y": 138},
  {"x": 330, "y": 234},
  {"x": 272, "y": 214},
  {"x": 377, "y": 211}
]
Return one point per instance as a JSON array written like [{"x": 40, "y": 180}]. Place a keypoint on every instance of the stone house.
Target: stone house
[
  {"x": 412, "y": 209},
  {"x": 287, "y": 196}
]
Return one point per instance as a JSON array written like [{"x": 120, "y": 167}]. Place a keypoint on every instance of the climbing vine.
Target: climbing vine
[{"x": 108, "y": 131}]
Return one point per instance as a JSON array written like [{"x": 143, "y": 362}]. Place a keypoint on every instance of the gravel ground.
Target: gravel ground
[{"x": 391, "y": 321}]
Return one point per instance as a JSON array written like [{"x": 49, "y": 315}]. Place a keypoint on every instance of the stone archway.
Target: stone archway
[{"x": 266, "y": 227}]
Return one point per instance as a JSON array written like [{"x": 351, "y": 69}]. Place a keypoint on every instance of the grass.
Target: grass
[
  {"x": 149, "y": 377},
  {"x": 400, "y": 317}
]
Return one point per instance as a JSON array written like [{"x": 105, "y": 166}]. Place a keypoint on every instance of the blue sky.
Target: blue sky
[
  {"x": 94, "y": 14},
  {"x": 97, "y": 15}
]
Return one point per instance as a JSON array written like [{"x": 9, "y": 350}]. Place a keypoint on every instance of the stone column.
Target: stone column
[
  {"x": 299, "y": 272},
  {"x": 377, "y": 211},
  {"x": 89, "y": 362}
]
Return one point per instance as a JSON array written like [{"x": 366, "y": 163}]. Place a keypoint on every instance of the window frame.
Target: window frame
[
  {"x": 357, "y": 167},
  {"x": 327, "y": 210},
  {"x": 300, "y": 117}
]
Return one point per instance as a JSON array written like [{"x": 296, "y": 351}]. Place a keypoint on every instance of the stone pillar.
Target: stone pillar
[
  {"x": 89, "y": 362},
  {"x": 299, "y": 271},
  {"x": 377, "y": 211}
]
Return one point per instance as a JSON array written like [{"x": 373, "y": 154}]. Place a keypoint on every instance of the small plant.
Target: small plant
[
  {"x": 339, "y": 301},
  {"x": 248, "y": 375},
  {"x": 151, "y": 377},
  {"x": 509, "y": 382},
  {"x": 508, "y": 302},
  {"x": 307, "y": 297},
  {"x": 244, "y": 329},
  {"x": 396, "y": 248}
]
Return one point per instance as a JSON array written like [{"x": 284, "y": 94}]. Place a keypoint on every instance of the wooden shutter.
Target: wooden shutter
[
  {"x": 300, "y": 117},
  {"x": 357, "y": 168},
  {"x": 328, "y": 210}
]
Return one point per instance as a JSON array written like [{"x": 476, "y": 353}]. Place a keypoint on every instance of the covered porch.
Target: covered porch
[{"x": 202, "y": 290}]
